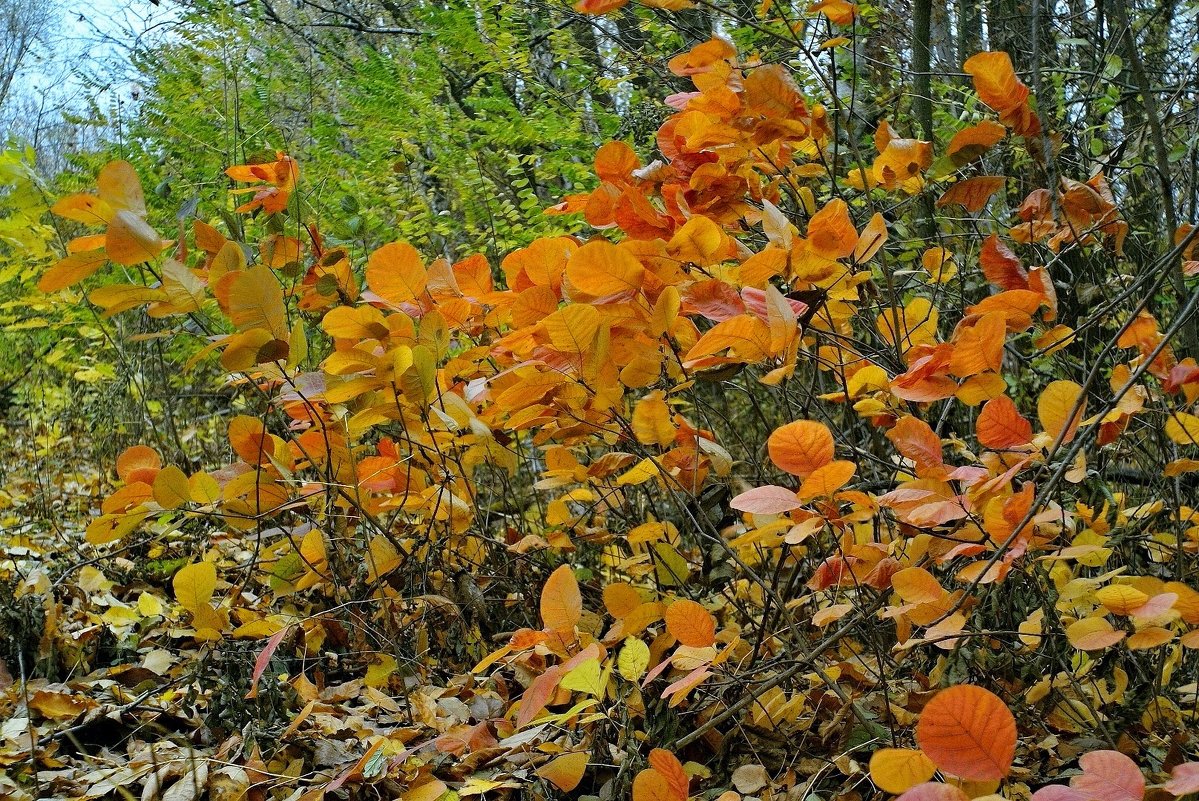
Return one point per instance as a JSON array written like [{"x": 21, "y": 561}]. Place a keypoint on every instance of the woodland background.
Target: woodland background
[{"x": 454, "y": 126}]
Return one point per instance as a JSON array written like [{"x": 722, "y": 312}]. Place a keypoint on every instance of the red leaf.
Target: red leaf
[{"x": 264, "y": 659}]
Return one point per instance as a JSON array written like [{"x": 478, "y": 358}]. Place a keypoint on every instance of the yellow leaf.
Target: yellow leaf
[
  {"x": 633, "y": 660},
  {"x": 640, "y": 473},
  {"x": 897, "y": 770},
  {"x": 380, "y": 670},
  {"x": 1121, "y": 599},
  {"x": 149, "y": 605},
  {"x": 256, "y": 301},
  {"x": 585, "y": 677},
  {"x": 600, "y": 269},
  {"x": 194, "y": 585},
  {"x": 171, "y": 489},
  {"x": 1060, "y": 409},
  {"x": 651, "y": 421},
  {"x": 1183, "y": 428},
  {"x": 697, "y": 242},
  {"x": 572, "y": 329}
]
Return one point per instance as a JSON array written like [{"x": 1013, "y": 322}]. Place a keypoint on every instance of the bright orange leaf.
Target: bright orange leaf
[
  {"x": 801, "y": 447},
  {"x": 969, "y": 732},
  {"x": 691, "y": 624}
]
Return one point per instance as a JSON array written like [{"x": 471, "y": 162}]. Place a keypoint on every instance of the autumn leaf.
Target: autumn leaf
[
  {"x": 1109, "y": 775},
  {"x": 565, "y": 772},
  {"x": 972, "y": 142},
  {"x": 969, "y": 732},
  {"x": 996, "y": 82},
  {"x": 897, "y": 770},
  {"x": 973, "y": 193},
  {"x": 561, "y": 601},
  {"x": 1001, "y": 426},
  {"x": 600, "y": 269},
  {"x": 396, "y": 273},
  {"x": 138, "y": 463},
  {"x": 194, "y": 585},
  {"x": 691, "y": 624},
  {"x": 1060, "y": 408},
  {"x": 770, "y": 500},
  {"x": 801, "y": 447},
  {"x": 1184, "y": 779}
]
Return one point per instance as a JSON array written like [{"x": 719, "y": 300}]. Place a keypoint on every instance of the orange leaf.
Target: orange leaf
[
  {"x": 597, "y": 7},
  {"x": 916, "y": 440},
  {"x": 827, "y": 479},
  {"x": 650, "y": 785},
  {"x": 1017, "y": 306},
  {"x": 915, "y": 585},
  {"x": 600, "y": 269},
  {"x": 831, "y": 234},
  {"x": 249, "y": 439},
  {"x": 561, "y": 601},
  {"x": 978, "y": 345},
  {"x": 566, "y": 771},
  {"x": 801, "y": 447},
  {"x": 1000, "y": 425},
  {"x": 972, "y": 193},
  {"x": 839, "y": 12},
  {"x": 970, "y": 143},
  {"x": 691, "y": 624},
  {"x": 396, "y": 273},
  {"x": 71, "y": 270},
  {"x": 672, "y": 770},
  {"x": 873, "y": 237},
  {"x": 621, "y": 599},
  {"x": 138, "y": 463},
  {"x": 968, "y": 732},
  {"x": 746, "y": 334},
  {"x": 539, "y": 693},
  {"x": 130, "y": 240},
  {"x": 995, "y": 80},
  {"x": 615, "y": 162},
  {"x": 1000, "y": 265},
  {"x": 901, "y": 160}
]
